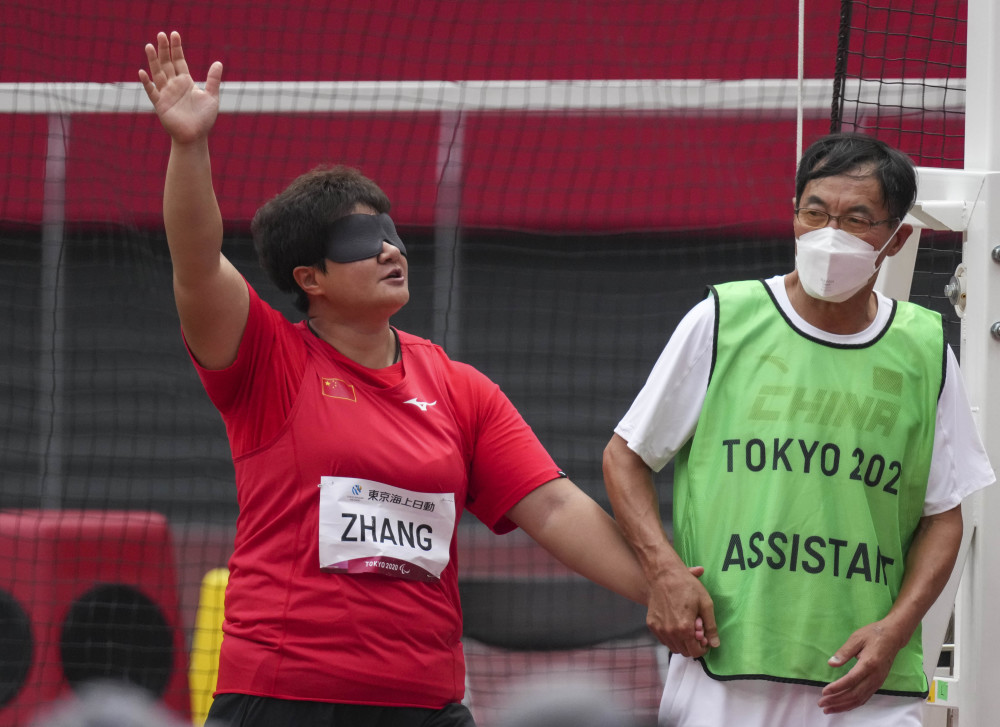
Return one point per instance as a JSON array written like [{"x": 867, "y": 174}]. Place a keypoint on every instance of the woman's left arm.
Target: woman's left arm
[{"x": 569, "y": 524}]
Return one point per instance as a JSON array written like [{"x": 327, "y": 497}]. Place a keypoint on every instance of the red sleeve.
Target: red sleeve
[
  {"x": 508, "y": 461},
  {"x": 256, "y": 393}
]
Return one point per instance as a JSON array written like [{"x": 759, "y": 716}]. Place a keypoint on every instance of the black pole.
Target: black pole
[{"x": 840, "y": 72}]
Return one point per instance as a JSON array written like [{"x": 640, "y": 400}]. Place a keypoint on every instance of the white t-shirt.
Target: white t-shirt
[
  {"x": 665, "y": 413},
  {"x": 663, "y": 418}
]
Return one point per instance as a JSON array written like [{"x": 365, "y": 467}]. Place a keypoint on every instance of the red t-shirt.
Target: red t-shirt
[{"x": 296, "y": 410}]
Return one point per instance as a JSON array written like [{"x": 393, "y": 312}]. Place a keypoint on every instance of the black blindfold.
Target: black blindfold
[{"x": 358, "y": 237}]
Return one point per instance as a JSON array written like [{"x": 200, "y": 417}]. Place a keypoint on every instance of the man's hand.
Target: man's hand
[
  {"x": 875, "y": 646},
  {"x": 186, "y": 111},
  {"x": 681, "y": 613},
  {"x": 929, "y": 562}
]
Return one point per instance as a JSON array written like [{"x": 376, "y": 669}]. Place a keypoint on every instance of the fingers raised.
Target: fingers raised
[
  {"x": 177, "y": 53},
  {"x": 165, "y": 66},
  {"x": 166, "y": 61},
  {"x": 150, "y": 88},
  {"x": 214, "y": 79}
]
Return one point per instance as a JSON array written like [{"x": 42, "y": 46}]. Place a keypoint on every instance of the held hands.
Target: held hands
[
  {"x": 186, "y": 111},
  {"x": 681, "y": 613},
  {"x": 875, "y": 646}
]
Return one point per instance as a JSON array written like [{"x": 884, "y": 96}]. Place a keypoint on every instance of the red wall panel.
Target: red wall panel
[{"x": 560, "y": 172}]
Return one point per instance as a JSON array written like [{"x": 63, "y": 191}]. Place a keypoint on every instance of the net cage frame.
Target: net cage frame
[
  {"x": 964, "y": 200},
  {"x": 968, "y": 200}
]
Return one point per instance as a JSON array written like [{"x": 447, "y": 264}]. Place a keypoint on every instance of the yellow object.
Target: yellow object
[{"x": 206, "y": 642}]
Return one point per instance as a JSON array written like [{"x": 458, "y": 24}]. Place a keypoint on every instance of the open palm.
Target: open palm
[{"x": 186, "y": 111}]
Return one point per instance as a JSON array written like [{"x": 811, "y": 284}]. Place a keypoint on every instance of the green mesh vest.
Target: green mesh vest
[{"x": 803, "y": 484}]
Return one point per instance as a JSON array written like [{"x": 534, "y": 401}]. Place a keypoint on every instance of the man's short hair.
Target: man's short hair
[
  {"x": 292, "y": 228},
  {"x": 849, "y": 153}
]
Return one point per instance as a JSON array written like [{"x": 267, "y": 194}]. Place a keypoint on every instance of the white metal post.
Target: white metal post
[
  {"x": 448, "y": 232},
  {"x": 51, "y": 365},
  {"x": 978, "y": 659}
]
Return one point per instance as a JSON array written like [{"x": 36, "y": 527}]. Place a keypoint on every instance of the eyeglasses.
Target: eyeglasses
[{"x": 848, "y": 223}]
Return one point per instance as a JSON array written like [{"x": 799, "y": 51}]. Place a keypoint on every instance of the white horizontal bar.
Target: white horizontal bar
[{"x": 394, "y": 96}]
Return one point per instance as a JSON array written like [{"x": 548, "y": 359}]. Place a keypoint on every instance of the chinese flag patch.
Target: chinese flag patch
[{"x": 338, "y": 389}]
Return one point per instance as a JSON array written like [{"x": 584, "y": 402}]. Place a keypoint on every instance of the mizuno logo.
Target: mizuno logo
[{"x": 421, "y": 404}]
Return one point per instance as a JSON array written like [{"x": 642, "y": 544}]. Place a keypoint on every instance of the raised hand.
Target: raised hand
[{"x": 186, "y": 111}]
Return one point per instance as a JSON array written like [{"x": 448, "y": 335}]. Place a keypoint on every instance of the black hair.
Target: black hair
[
  {"x": 292, "y": 228},
  {"x": 851, "y": 153}
]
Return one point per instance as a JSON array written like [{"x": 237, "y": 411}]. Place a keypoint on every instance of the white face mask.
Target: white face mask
[{"x": 833, "y": 265}]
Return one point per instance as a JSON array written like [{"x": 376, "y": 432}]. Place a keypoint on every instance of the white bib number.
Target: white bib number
[{"x": 371, "y": 527}]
